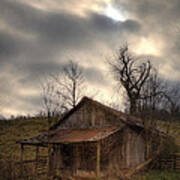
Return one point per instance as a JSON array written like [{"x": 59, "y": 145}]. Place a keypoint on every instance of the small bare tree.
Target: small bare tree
[
  {"x": 152, "y": 95},
  {"x": 63, "y": 91},
  {"x": 53, "y": 103},
  {"x": 171, "y": 104},
  {"x": 70, "y": 84},
  {"x": 130, "y": 74},
  {"x": 173, "y": 98}
]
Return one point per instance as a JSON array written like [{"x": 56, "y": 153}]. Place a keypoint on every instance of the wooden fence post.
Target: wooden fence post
[
  {"x": 37, "y": 158},
  {"x": 174, "y": 162},
  {"x": 98, "y": 159},
  {"x": 21, "y": 159},
  {"x": 37, "y": 153},
  {"x": 21, "y": 153}
]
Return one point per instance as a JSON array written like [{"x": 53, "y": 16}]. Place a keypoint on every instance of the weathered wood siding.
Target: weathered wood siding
[
  {"x": 90, "y": 116},
  {"x": 128, "y": 151},
  {"x": 133, "y": 148}
]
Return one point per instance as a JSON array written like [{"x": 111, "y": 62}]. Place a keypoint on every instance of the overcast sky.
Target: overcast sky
[{"x": 37, "y": 37}]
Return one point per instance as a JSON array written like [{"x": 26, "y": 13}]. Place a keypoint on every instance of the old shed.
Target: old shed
[{"x": 92, "y": 140}]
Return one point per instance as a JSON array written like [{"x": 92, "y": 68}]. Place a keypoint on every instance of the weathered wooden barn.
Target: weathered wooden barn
[{"x": 93, "y": 140}]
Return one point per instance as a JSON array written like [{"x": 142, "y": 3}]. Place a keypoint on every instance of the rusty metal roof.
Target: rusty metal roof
[{"x": 67, "y": 136}]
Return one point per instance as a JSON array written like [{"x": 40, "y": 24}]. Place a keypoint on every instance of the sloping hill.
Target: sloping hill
[
  {"x": 14, "y": 130},
  {"x": 174, "y": 130}
]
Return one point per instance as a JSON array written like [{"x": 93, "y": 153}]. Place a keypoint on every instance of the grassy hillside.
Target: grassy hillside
[
  {"x": 174, "y": 130},
  {"x": 14, "y": 130}
]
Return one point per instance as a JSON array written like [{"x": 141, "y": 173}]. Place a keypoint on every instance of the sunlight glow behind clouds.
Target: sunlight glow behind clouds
[
  {"x": 114, "y": 13},
  {"x": 79, "y": 8}
]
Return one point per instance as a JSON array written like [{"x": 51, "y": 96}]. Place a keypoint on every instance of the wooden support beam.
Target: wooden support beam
[
  {"x": 21, "y": 159},
  {"x": 93, "y": 117},
  {"x": 75, "y": 159},
  {"x": 98, "y": 159},
  {"x": 49, "y": 162},
  {"x": 59, "y": 160},
  {"x": 59, "y": 157}
]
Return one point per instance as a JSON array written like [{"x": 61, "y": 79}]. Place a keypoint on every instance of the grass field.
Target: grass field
[
  {"x": 159, "y": 175},
  {"x": 174, "y": 130},
  {"x": 14, "y": 130}
]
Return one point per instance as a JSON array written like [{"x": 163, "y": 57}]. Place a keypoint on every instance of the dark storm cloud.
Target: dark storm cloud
[
  {"x": 55, "y": 32},
  {"x": 63, "y": 28},
  {"x": 7, "y": 45},
  {"x": 35, "y": 73},
  {"x": 94, "y": 76}
]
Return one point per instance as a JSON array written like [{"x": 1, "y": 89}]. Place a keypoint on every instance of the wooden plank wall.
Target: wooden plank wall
[{"x": 170, "y": 162}]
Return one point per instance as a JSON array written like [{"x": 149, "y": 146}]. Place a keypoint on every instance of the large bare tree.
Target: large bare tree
[{"x": 130, "y": 74}]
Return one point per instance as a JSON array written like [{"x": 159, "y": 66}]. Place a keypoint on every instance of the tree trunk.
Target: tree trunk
[
  {"x": 74, "y": 94},
  {"x": 132, "y": 106}
]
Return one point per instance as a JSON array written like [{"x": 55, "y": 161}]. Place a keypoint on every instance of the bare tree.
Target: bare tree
[
  {"x": 70, "y": 84},
  {"x": 53, "y": 103},
  {"x": 173, "y": 99},
  {"x": 130, "y": 74},
  {"x": 171, "y": 105},
  {"x": 152, "y": 94},
  {"x": 160, "y": 96},
  {"x": 63, "y": 91}
]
